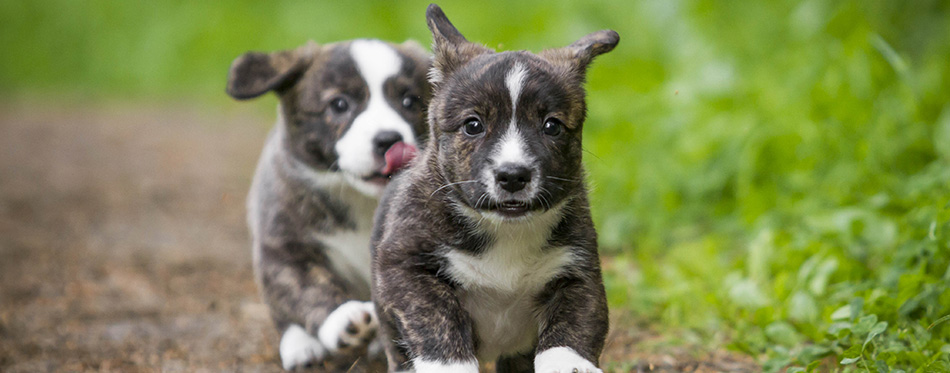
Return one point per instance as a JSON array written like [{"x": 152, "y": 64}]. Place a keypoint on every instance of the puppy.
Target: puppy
[
  {"x": 485, "y": 249},
  {"x": 350, "y": 116}
]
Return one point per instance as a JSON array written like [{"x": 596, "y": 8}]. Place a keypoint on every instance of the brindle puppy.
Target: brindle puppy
[
  {"x": 349, "y": 117},
  {"x": 485, "y": 249}
]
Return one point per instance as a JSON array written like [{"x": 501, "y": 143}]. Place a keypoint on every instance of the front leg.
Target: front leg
[
  {"x": 310, "y": 305},
  {"x": 574, "y": 324},
  {"x": 425, "y": 320}
]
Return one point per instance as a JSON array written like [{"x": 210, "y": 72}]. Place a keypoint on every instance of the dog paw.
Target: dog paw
[
  {"x": 563, "y": 360},
  {"x": 350, "y": 326},
  {"x": 298, "y": 349},
  {"x": 423, "y": 366}
]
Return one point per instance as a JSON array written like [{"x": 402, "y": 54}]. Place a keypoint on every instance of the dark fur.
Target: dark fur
[
  {"x": 295, "y": 275},
  {"x": 420, "y": 220}
]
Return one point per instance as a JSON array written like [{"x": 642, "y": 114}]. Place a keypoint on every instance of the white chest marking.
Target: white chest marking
[
  {"x": 498, "y": 286},
  {"x": 348, "y": 249},
  {"x": 508, "y": 266},
  {"x": 504, "y": 323},
  {"x": 349, "y": 254}
]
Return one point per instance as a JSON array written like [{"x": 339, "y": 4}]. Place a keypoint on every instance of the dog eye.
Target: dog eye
[
  {"x": 339, "y": 105},
  {"x": 409, "y": 101},
  {"x": 473, "y": 127},
  {"x": 552, "y": 127}
]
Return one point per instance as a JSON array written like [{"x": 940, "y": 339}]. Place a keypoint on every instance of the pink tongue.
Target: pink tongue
[{"x": 398, "y": 156}]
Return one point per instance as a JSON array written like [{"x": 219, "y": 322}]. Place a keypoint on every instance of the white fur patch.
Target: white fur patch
[
  {"x": 297, "y": 348},
  {"x": 348, "y": 249},
  {"x": 376, "y": 62},
  {"x": 514, "y": 80},
  {"x": 423, "y": 366},
  {"x": 513, "y": 264},
  {"x": 505, "y": 323},
  {"x": 500, "y": 283},
  {"x": 353, "y": 313},
  {"x": 512, "y": 148},
  {"x": 349, "y": 254},
  {"x": 562, "y": 360}
]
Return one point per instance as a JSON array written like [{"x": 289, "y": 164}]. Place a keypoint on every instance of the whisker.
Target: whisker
[
  {"x": 591, "y": 154},
  {"x": 563, "y": 179},
  {"x": 451, "y": 184},
  {"x": 544, "y": 199},
  {"x": 541, "y": 191},
  {"x": 478, "y": 202}
]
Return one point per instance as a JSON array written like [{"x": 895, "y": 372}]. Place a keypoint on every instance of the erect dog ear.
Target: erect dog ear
[
  {"x": 581, "y": 53},
  {"x": 254, "y": 73},
  {"x": 451, "y": 49}
]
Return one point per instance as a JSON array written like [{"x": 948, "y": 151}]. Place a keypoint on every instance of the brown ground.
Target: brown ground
[{"x": 123, "y": 245}]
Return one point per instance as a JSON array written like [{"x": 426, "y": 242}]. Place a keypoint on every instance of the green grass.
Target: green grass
[{"x": 769, "y": 177}]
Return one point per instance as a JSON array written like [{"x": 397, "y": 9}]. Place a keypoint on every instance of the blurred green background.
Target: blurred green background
[{"x": 769, "y": 177}]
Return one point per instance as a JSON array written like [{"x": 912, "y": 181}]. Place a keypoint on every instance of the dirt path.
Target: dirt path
[{"x": 123, "y": 245}]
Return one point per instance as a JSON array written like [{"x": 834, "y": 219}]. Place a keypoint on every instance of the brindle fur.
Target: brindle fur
[
  {"x": 287, "y": 204},
  {"x": 421, "y": 215}
]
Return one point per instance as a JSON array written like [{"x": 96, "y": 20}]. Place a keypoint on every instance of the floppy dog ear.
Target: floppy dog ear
[
  {"x": 581, "y": 53},
  {"x": 254, "y": 73},
  {"x": 451, "y": 49}
]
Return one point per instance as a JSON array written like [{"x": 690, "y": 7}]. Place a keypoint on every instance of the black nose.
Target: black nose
[
  {"x": 384, "y": 140},
  {"x": 512, "y": 177}
]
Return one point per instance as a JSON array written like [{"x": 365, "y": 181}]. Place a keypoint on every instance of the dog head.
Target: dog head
[
  {"x": 353, "y": 107},
  {"x": 505, "y": 128}
]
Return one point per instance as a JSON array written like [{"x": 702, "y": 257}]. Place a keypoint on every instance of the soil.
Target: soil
[{"x": 123, "y": 245}]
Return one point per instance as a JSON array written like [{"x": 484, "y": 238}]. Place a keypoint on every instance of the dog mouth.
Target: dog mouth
[
  {"x": 397, "y": 158},
  {"x": 509, "y": 208}
]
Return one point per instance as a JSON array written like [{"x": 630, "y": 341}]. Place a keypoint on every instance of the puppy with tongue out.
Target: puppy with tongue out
[
  {"x": 397, "y": 157},
  {"x": 350, "y": 117},
  {"x": 484, "y": 249}
]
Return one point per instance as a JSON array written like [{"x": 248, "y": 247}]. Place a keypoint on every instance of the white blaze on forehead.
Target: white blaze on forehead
[
  {"x": 376, "y": 62},
  {"x": 514, "y": 80},
  {"x": 512, "y": 148}
]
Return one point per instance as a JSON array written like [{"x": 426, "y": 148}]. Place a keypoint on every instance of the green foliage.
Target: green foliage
[
  {"x": 773, "y": 177},
  {"x": 785, "y": 181}
]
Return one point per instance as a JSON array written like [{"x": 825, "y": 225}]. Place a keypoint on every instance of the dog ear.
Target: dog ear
[
  {"x": 581, "y": 53},
  {"x": 451, "y": 49},
  {"x": 254, "y": 73}
]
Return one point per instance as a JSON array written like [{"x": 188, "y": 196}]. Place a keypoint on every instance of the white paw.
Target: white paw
[
  {"x": 298, "y": 349},
  {"x": 423, "y": 366},
  {"x": 563, "y": 360},
  {"x": 352, "y": 324}
]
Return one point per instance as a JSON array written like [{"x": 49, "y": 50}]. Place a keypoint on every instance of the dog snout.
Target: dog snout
[
  {"x": 512, "y": 177},
  {"x": 384, "y": 140}
]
